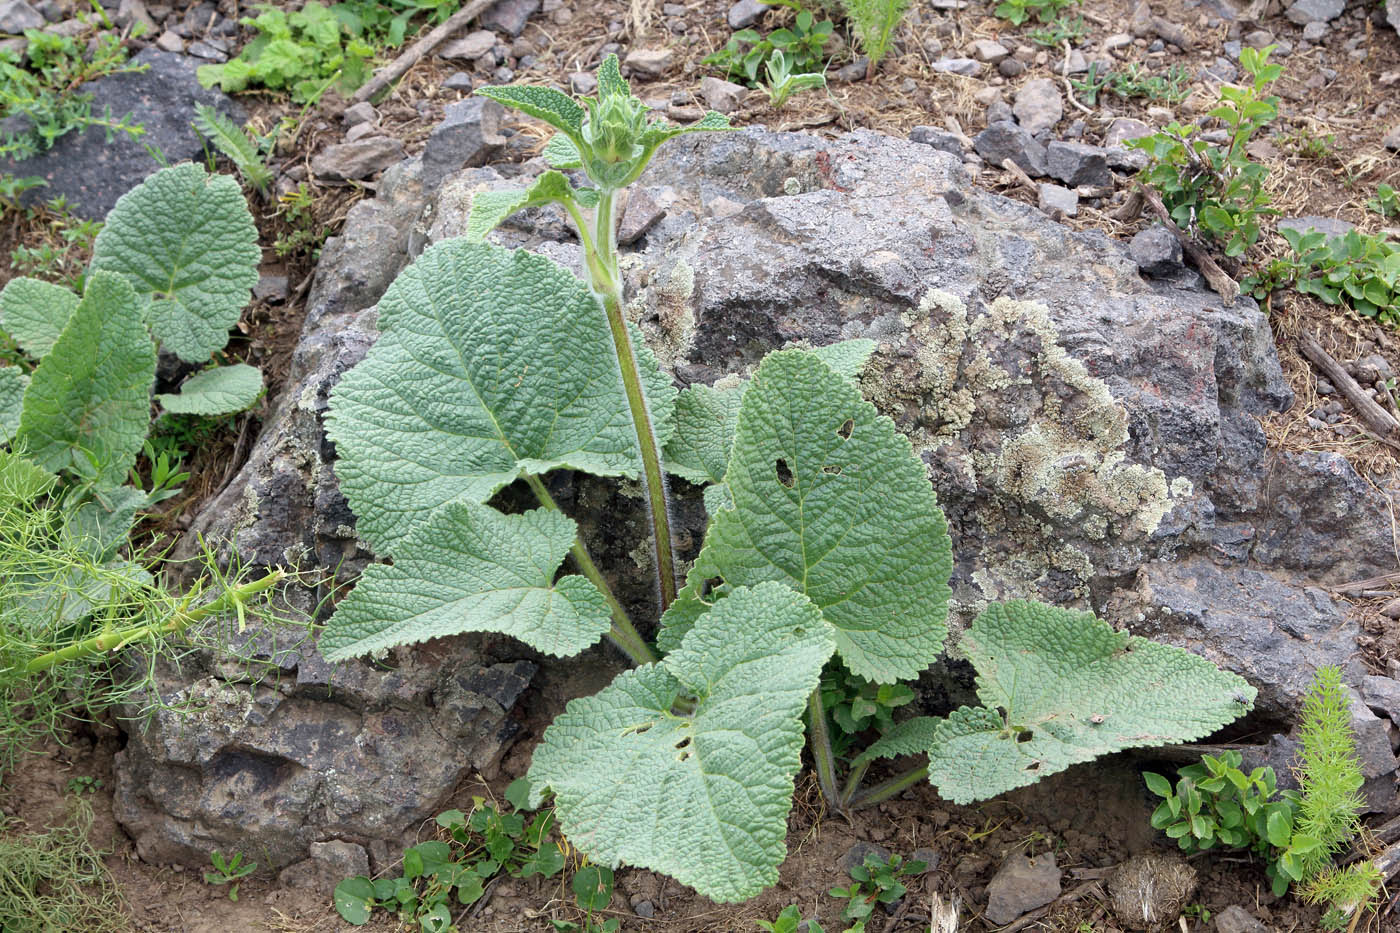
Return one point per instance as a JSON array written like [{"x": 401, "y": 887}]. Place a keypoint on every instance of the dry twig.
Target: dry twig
[
  {"x": 1380, "y": 421},
  {"x": 1222, "y": 284},
  {"x": 416, "y": 52}
]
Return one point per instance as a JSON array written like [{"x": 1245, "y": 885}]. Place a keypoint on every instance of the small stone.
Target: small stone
[
  {"x": 938, "y": 138},
  {"x": 641, "y": 214},
  {"x": 1006, "y": 140},
  {"x": 720, "y": 95},
  {"x": 1054, "y": 199},
  {"x": 1117, "y": 41},
  {"x": 989, "y": 51},
  {"x": 362, "y": 112},
  {"x": 1022, "y": 884},
  {"x": 1235, "y": 919},
  {"x": 1074, "y": 64},
  {"x": 271, "y": 288},
  {"x": 472, "y": 46},
  {"x": 1123, "y": 129},
  {"x": 1315, "y": 11},
  {"x": 999, "y": 111},
  {"x": 1259, "y": 38},
  {"x": 355, "y": 160},
  {"x": 360, "y": 131},
  {"x": 207, "y": 52},
  {"x": 1314, "y": 32},
  {"x": 1157, "y": 252},
  {"x": 650, "y": 63},
  {"x": 644, "y": 909},
  {"x": 855, "y": 855},
  {"x": 966, "y": 67},
  {"x": 1382, "y": 695},
  {"x": 721, "y": 207},
  {"x": 1077, "y": 164},
  {"x": 509, "y": 16},
  {"x": 930, "y": 858},
  {"x": 130, "y": 12},
  {"x": 458, "y": 81},
  {"x": 16, "y": 16},
  {"x": 1123, "y": 159},
  {"x": 583, "y": 83},
  {"x": 855, "y": 71},
  {"x": 1011, "y": 68},
  {"x": 1038, "y": 105},
  {"x": 745, "y": 13},
  {"x": 468, "y": 135},
  {"x": 1392, "y": 139},
  {"x": 1328, "y": 225},
  {"x": 170, "y": 42},
  {"x": 1233, "y": 48}
]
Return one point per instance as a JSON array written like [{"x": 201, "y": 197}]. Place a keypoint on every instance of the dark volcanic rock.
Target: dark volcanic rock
[{"x": 91, "y": 171}]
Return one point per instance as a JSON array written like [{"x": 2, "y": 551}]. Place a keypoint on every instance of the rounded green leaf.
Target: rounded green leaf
[
  {"x": 702, "y": 796},
  {"x": 830, "y": 499},
  {"x": 473, "y": 569},
  {"x": 185, "y": 241},
  {"x": 13, "y": 382},
  {"x": 34, "y": 313},
  {"x": 490, "y": 363},
  {"x": 218, "y": 390},
  {"x": 593, "y": 887},
  {"x": 90, "y": 397},
  {"x": 1278, "y": 827},
  {"x": 1062, "y": 687},
  {"x": 1157, "y": 784},
  {"x": 353, "y": 900}
]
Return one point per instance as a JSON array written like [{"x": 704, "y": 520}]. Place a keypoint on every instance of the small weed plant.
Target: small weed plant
[
  {"x": 229, "y": 870},
  {"x": 1356, "y": 269},
  {"x": 301, "y": 52},
  {"x": 230, "y": 139},
  {"x": 801, "y": 48},
  {"x": 57, "y": 880},
  {"x": 41, "y": 92},
  {"x": 1133, "y": 82},
  {"x": 782, "y": 83},
  {"x": 1386, "y": 202},
  {"x": 498, "y": 367},
  {"x": 1060, "y": 29},
  {"x": 1217, "y": 191},
  {"x": 83, "y": 784},
  {"x": 1018, "y": 12},
  {"x": 877, "y": 881},
  {"x": 874, "y": 23},
  {"x": 1297, "y": 833},
  {"x": 61, "y": 246}
]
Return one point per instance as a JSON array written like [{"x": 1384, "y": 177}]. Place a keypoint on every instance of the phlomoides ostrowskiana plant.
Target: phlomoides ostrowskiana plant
[{"x": 497, "y": 366}]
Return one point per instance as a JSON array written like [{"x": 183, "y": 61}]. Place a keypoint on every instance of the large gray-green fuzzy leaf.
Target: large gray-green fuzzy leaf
[
  {"x": 829, "y": 498},
  {"x": 13, "y": 382},
  {"x": 186, "y": 240},
  {"x": 704, "y": 428},
  {"x": 92, "y": 393},
  {"x": 218, "y": 390},
  {"x": 491, "y": 362},
  {"x": 472, "y": 569},
  {"x": 1060, "y": 687},
  {"x": 701, "y": 796},
  {"x": 34, "y": 313},
  {"x": 706, "y": 417},
  {"x": 556, "y": 108}
]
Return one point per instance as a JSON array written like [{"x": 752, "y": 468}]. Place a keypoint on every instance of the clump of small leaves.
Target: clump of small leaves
[
  {"x": 83, "y": 784},
  {"x": 1357, "y": 269},
  {"x": 230, "y": 139},
  {"x": 229, "y": 870},
  {"x": 782, "y": 83},
  {"x": 41, "y": 91},
  {"x": 1386, "y": 202},
  {"x": 497, "y": 368},
  {"x": 877, "y": 881},
  {"x": 1060, "y": 29},
  {"x": 1134, "y": 81},
  {"x": 1017, "y": 12},
  {"x": 59, "y": 243},
  {"x": 1217, "y": 191},
  {"x": 302, "y": 52},
  {"x": 802, "y": 48}
]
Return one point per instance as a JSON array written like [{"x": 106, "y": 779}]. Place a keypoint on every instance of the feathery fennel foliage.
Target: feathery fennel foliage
[{"x": 874, "y": 23}]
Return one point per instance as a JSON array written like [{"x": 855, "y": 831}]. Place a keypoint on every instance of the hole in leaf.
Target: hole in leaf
[
  {"x": 1024, "y": 735},
  {"x": 709, "y": 586},
  {"x": 1033, "y": 766},
  {"x": 844, "y": 432},
  {"x": 683, "y": 743},
  {"x": 832, "y": 469},
  {"x": 784, "y": 473}
]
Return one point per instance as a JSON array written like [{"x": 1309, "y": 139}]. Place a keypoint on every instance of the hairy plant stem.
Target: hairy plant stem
[
  {"x": 183, "y": 617},
  {"x": 623, "y": 633},
  {"x": 853, "y": 780},
  {"x": 887, "y": 789},
  {"x": 607, "y": 283},
  {"x": 819, "y": 738}
]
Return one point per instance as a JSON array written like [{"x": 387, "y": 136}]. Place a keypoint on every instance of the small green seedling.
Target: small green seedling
[
  {"x": 802, "y": 44},
  {"x": 782, "y": 83},
  {"x": 1386, "y": 202},
  {"x": 229, "y": 871},
  {"x": 84, "y": 784},
  {"x": 1216, "y": 804},
  {"x": 788, "y": 921},
  {"x": 877, "y": 881},
  {"x": 1017, "y": 12}
]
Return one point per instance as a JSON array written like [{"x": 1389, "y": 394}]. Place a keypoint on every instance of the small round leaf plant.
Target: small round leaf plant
[{"x": 826, "y": 542}]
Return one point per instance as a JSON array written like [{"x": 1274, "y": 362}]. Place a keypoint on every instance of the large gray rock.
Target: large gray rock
[
  {"x": 358, "y": 752},
  {"x": 468, "y": 135},
  {"x": 1005, "y": 140},
  {"x": 1022, "y": 884},
  {"x": 1078, "y": 422},
  {"x": 92, "y": 171}
]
